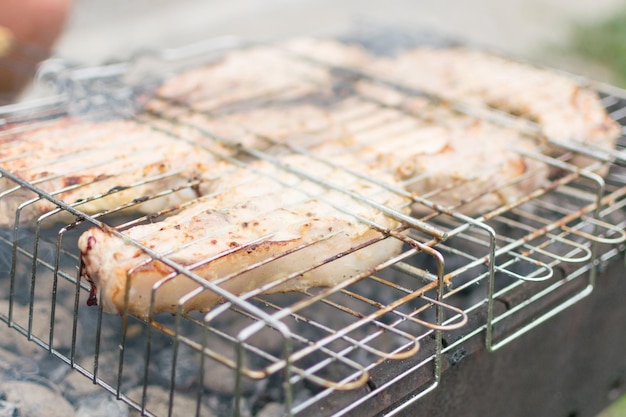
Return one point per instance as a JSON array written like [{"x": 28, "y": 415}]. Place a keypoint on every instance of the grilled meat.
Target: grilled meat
[
  {"x": 460, "y": 161},
  {"x": 267, "y": 128},
  {"x": 457, "y": 161},
  {"x": 290, "y": 222},
  {"x": 243, "y": 77},
  {"x": 98, "y": 166},
  {"x": 454, "y": 160},
  {"x": 261, "y": 230},
  {"x": 561, "y": 109}
]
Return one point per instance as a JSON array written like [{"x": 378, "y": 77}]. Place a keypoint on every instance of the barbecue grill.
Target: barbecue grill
[{"x": 464, "y": 293}]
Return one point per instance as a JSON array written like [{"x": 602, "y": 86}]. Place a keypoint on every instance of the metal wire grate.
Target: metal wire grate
[{"x": 331, "y": 345}]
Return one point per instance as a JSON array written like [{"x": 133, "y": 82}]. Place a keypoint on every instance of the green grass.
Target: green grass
[
  {"x": 617, "y": 409},
  {"x": 605, "y": 43}
]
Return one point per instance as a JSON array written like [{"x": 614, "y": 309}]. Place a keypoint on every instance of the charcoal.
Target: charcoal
[
  {"x": 220, "y": 378},
  {"x": 15, "y": 342},
  {"x": 35, "y": 400},
  {"x": 14, "y": 366},
  {"x": 76, "y": 386},
  {"x": 271, "y": 410},
  {"x": 8, "y": 409},
  {"x": 101, "y": 405},
  {"x": 268, "y": 391},
  {"x": 158, "y": 399}
]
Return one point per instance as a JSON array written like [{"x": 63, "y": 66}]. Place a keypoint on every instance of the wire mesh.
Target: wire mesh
[{"x": 315, "y": 343}]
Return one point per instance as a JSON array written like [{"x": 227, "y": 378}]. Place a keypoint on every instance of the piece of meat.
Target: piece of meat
[
  {"x": 241, "y": 77},
  {"x": 562, "y": 109},
  {"x": 303, "y": 124},
  {"x": 419, "y": 141},
  {"x": 466, "y": 177},
  {"x": 262, "y": 228},
  {"x": 99, "y": 166},
  {"x": 457, "y": 161},
  {"x": 249, "y": 95},
  {"x": 453, "y": 160}
]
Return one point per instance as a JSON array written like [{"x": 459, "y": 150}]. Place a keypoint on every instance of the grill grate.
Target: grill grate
[{"x": 457, "y": 276}]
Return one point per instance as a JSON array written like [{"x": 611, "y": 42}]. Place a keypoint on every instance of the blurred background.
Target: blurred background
[
  {"x": 551, "y": 31},
  {"x": 587, "y": 37}
]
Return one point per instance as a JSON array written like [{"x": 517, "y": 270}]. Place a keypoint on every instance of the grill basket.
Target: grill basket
[{"x": 335, "y": 350}]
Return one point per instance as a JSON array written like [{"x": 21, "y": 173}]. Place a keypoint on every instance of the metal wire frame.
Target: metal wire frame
[
  {"x": 583, "y": 246},
  {"x": 581, "y": 253},
  {"x": 268, "y": 320},
  {"x": 459, "y": 227},
  {"x": 294, "y": 308},
  {"x": 528, "y": 127}
]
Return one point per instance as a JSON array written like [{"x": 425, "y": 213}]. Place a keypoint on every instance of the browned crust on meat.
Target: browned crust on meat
[
  {"x": 95, "y": 163},
  {"x": 141, "y": 279},
  {"x": 250, "y": 233}
]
